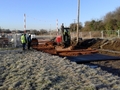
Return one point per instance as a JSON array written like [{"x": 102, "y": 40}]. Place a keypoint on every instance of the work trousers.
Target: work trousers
[{"x": 23, "y": 45}]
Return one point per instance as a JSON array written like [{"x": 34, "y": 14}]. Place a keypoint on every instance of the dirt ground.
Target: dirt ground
[
  {"x": 107, "y": 47},
  {"x": 104, "y": 46}
]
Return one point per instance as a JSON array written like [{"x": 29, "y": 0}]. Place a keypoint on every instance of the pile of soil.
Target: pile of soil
[
  {"x": 113, "y": 44},
  {"x": 105, "y": 46}
]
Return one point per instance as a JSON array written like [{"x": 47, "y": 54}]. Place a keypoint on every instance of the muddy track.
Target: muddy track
[
  {"x": 106, "y": 47},
  {"x": 111, "y": 66}
]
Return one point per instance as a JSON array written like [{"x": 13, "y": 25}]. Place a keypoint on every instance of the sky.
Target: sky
[{"x": 50, "y": 14}]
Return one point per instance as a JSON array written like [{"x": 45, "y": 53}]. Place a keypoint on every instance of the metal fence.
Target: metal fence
[
  {"x": 88, "y": 34},
  {"x": 13, "y": 40},
  {"x": 10, "y": 40},
  {"x": 98, "y": 34}
]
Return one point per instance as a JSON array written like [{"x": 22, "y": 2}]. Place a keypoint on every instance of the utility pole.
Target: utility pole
[
  {"x": 78, "y": 20},
  {"x": 24, "y": 23},
  {"x": 57, "y": 27}
]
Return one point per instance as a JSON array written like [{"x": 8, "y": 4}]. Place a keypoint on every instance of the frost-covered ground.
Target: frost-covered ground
[{"x": 34, "y": 70}]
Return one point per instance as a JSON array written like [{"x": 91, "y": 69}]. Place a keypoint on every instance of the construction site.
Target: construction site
[
  {"x": 79, "y": 53},
  {"x": 61, "y": 62},
  {"x": 94, "y": 49},
  {"x": 104, "y": 53}
]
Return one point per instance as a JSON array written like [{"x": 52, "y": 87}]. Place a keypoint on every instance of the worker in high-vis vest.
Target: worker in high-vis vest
[{"x": 23, "y": 41}]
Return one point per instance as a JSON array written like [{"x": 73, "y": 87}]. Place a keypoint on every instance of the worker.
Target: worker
[
  {"x": 23, "y": 41},
  {"x": 66, "y": 37},
  {"x": 29, "y": 41}
]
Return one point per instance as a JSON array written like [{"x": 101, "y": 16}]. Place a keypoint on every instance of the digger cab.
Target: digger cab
[{"x": 66, "y": 36}]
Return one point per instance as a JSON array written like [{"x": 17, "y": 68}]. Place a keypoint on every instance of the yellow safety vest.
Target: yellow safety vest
[{"x": 23, "y": 40}]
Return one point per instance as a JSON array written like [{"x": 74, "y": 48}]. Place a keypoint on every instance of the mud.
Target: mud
[
  {"x": 102, "y": 46},
  {"x": 112, "y": 48}
]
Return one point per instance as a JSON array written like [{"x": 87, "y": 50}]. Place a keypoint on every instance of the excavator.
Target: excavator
[
  {"x": 62, "y": 45},
  {"x": 64, "y": 38}
]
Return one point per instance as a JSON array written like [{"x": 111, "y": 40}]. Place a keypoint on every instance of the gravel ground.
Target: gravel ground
[{"x": 35, "y": 70}]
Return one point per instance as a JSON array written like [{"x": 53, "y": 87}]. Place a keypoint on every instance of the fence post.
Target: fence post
[
  {"x": 101, "y": 34},
  {"x": 118, "y": 33},
  {"x": 15, "y": 41},
  {"x": 90, "y": 34},
  {"x": 81, "y": 34},
  {"x": 50, "y": 35}
]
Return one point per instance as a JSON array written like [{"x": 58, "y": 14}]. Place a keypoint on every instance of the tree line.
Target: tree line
[
  {"x": 33, "y": 31},
  {"x": 111, "y": 21}
]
